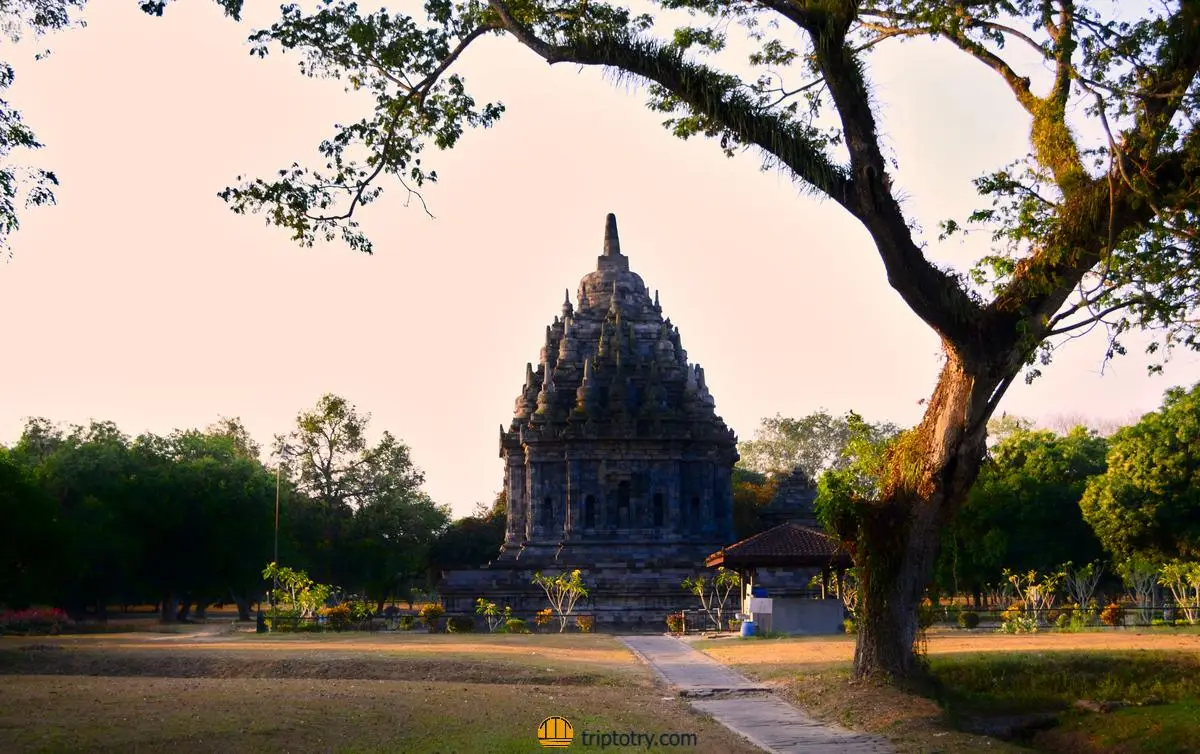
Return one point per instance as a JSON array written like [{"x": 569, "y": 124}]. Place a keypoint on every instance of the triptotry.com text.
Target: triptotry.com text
[{"x": 635, "y": 740}]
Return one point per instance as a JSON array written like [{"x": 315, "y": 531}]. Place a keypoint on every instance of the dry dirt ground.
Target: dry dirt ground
[
  {"x": 397, "y": 693},
  {"x": 788, "y": 654}
]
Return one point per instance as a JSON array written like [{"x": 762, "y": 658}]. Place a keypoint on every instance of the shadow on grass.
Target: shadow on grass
[{"x": 1074, "y": 701}]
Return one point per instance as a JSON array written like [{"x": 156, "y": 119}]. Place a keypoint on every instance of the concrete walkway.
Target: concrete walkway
[{"x": 745, "y": 707}]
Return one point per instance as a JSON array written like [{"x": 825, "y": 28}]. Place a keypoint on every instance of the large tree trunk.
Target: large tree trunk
[
  {"x": 928, "y": 474},
  {"x": 243, "y": 605}
]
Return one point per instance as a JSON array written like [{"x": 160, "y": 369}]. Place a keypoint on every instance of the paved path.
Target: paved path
[{"x": 745, "y": 707}]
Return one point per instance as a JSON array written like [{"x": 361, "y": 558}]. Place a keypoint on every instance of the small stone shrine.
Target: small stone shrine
[{"x": 615, "y": 462}]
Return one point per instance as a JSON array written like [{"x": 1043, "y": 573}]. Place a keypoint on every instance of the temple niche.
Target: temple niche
[{"x": 615, "y": 461}]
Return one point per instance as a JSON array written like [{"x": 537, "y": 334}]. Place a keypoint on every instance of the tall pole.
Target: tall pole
[{"x": 278, "y": 470}]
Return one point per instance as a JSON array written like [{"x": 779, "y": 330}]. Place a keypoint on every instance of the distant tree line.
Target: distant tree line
[
  {"x": 95, "y": 518},
  {"x": 1043, "y": 498}
]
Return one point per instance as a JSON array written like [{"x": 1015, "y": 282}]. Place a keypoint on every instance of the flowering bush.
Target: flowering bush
[
  {"x": 338, "y": 617},
  {"x": 35, "y": 620},
  {"x": 1014, "y": 620},
  {"x": 585, "y": 623},
  {"x": 431, "y": 615},
  {"x": 675, "y": 623},
  {"x": 543, "y": 617},
  {"x": 1112, "y": 615}
]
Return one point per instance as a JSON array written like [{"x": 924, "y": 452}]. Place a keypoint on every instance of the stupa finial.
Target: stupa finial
[{"x": 612, "y": 244}]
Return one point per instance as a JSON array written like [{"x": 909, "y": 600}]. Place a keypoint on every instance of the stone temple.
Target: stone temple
[{"x": 615, "y": 462}]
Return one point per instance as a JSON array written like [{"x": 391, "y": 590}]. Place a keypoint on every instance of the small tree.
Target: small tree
[
  {"x": 1183, "y": 579},
  {"x": 1081, "y": 582},
  {"x": 494, "y": 616},
  {"x": 1140, "y": 575},
  {"x": 1037, "y": 592},
  {"x": 714, "y": 593},
  {"x": 304, "y": 596},
  {"x": 563, "y": 591}
]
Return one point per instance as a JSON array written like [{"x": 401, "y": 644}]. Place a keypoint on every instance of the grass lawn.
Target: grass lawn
[
  {"x": 994, "y": 683},
  {"x": 350, "y": 693}
]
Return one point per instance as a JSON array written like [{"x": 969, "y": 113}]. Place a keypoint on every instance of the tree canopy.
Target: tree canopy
[
  {"x": 1148, "y": 502},
  {"x": 813, "y": 443},
  {"x": 1024, "y": 511}
]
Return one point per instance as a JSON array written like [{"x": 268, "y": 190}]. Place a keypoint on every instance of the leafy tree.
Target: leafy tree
[
  {"x": 752, "y": 493},
  {"x": 1092, "y": 225},
  {"x": 1148, "y": 501},
  {"x": 813, "y": 443},
  {"x": 563, "y": 590},
  {"x": 713, "y": 593},
  {"x": 471, "y": 541},
  {"x": 376, "y": 524},
  {"x": 391, "y": 537},
  {"x": 1023, "y": 512},
  {"x": 29, "y": 538}
]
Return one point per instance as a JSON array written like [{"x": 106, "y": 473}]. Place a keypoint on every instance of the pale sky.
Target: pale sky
[{"x": 142, "y": 299}]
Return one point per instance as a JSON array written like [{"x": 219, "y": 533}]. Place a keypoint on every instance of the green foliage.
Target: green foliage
[
  {"x": 338, "y": 617},
  {"x": 996, "y": 683},
  {"x": 1148, "y": 502},
  {"x": 368, "y": 497},
  {"x": 841, "y": 492},
  {"x": 813, "y": 443},
  {"x": 968, "y": 619},
  {"x": 563, "y": 590},
  {"x": 1023, "y": 511},
  {"x": 297, "y": 595},
  {"x": 752, "y": 493},
  {"x": 516, "y": 626},
  {"x": 1183, "y": 580},
  {"x": 471, "y": 541},
  {"x": 714, "y": 592},
  {"x": 675, "y": 623},
  {"x": 493, "y": 615},
  {"x": 431, "y": 615}
]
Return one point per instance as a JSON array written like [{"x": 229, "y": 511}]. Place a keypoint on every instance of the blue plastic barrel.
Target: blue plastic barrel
[{"x": 747, "y": 628}]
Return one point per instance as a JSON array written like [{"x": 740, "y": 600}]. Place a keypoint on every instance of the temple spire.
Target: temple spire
[{"x": 612, "y": 244}]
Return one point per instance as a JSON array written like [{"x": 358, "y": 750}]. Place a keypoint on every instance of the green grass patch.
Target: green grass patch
[
  {"x": 1160, "y": 691},
  {"x": 1160, "y": 729},
  {"x": 998, "y": 683}
]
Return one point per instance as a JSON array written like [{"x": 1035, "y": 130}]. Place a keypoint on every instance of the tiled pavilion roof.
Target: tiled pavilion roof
[{"x": 788, "y": 545}]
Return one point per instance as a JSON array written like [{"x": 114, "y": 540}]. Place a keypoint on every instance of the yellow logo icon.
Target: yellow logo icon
[{"x": 555, "y": 732}]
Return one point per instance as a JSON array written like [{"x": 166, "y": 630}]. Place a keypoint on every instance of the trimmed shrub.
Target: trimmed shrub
[
  {"x": 675, "y": 623},
  {"x": 968, "y": 619},
  {"x": 338, "y": 618},
  {"x": 431, "y": 616},
  {"x": 1112, "y": 615},
  {"x": 516, "y": 626}
]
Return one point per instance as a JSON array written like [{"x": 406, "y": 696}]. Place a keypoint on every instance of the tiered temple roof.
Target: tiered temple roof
[{"x": 612, "y": 366}]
